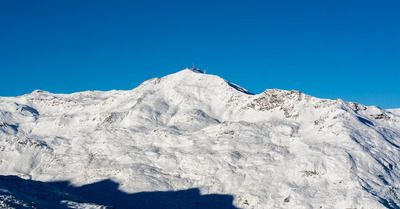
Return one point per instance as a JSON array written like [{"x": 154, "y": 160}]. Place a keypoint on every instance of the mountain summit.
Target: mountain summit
[{"x": 190, "y": 134}]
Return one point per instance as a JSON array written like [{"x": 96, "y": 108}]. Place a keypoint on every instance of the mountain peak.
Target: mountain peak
[
  {"x": 195, "y": 80},
  {"x": 38, "y": 91}
]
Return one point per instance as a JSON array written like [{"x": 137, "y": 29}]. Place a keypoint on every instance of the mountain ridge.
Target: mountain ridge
[{"x": 276, "y": 149}]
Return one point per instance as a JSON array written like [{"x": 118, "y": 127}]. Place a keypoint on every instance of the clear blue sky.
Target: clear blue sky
[{"x": 328, "y": 49}]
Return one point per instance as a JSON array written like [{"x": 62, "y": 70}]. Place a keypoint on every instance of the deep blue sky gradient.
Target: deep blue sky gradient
[{"x": 328, "y": 49}]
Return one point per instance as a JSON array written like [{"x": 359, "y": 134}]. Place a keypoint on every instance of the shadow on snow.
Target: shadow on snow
[{"x": 62, "y": 195}]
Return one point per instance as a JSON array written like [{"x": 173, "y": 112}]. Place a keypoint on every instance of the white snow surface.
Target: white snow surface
[
  {"x": 394, "y": 111},
  {"x": 277, "y": 149}
]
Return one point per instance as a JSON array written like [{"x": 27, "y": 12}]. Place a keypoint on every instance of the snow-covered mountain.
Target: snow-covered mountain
[{"x": 193, "y": 140}]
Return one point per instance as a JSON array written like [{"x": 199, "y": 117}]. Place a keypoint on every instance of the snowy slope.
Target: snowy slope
[
  {"x": 189, "y": 130},
  {"x": 394, "y": 111}
]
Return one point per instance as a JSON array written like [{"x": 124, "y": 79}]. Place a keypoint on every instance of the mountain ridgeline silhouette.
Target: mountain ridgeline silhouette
[{"x": 36, "y": 194}]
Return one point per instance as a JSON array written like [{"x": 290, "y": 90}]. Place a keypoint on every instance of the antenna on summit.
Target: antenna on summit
[{"x": 196, "y": 70}]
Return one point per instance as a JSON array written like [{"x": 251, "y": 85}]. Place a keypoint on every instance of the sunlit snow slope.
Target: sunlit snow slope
[{"x": 277, "y": 149}]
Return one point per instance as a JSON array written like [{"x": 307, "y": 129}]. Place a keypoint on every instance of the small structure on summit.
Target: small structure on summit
[{"x": 197, "y": 70}]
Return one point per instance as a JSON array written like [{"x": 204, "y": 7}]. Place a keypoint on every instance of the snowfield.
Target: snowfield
[{"x": 193, "y": 140}]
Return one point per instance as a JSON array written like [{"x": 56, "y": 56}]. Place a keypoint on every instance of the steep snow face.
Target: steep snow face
[{"x": 277, "y": 149}]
